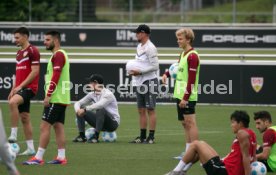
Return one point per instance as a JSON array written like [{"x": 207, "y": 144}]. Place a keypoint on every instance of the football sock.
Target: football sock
[
  {"x": 151, "y": 133},
  {"x": 14, "y": 132},
  {"x": 30, "y": 144},
  {"x": 82, "y": 134},
  {"x": 40, "y": 153},
  {"x": 180, "y": 166},
  {"x": 61, "y": 153},
  {"x": 187, "y": 146},
  {"x": 143, "y": 133}
]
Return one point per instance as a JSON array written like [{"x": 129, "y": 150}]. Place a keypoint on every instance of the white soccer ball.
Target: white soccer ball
[
  {"x": 11, "y": 152},
  {"x": 15, "y": 147},
  {"x": 89, "y": 133},
  {"x": 173, "y": 70},
  {"x": 109, "y": 136},
  {"x": 258, "y": 168},
  {"x": 136, "y": 65}
]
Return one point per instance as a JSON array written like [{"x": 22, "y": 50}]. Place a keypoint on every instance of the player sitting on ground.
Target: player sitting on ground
[
  {"x": 267, "y": 153},
  {"x": 237, "y": 162}
]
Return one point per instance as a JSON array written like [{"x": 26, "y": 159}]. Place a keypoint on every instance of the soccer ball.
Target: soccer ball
[
  {"x": 11, "y": 152},
  {"x": 109, "y": 136},
  {"x": 89, "y": 133},
  {"x": 258, "y": 168},
  {"x": 15, "y": 147},
  {"x": 173, "y": 70}
]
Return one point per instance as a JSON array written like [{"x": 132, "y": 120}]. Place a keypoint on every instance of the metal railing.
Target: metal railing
[{"x": 241, "y": 56}]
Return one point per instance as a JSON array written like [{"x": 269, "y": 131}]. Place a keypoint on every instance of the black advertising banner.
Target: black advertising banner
[
  {"x": 236, "y": 38},
  {"x": 229, "y": 84},
  {"x": 123, "y": 37}
]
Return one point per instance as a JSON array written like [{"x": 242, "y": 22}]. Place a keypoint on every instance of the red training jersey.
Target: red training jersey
[
  {"x": 24, "y": 60},
  {"x": 233, "y": 161},
  {"x": 269, "y": 138}
]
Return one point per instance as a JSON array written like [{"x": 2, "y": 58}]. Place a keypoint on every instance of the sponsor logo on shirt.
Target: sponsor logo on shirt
[{"x": 21, "y": 67}]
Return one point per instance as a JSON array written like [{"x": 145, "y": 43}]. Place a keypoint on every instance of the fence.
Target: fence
[
  {"x": 128, "y": 11},
  {"x": 242, "y": 57}
]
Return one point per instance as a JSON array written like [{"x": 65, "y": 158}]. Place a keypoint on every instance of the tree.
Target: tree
[
  {"x": 14, "y": 10},
  {"x": 54, "y": 11},
  {"x": 41, "y": 10}
]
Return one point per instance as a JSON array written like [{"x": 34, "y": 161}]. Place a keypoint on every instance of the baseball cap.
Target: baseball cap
[
  {"x": 142, "y": 28},
  {"x": 96, "y": 78}
]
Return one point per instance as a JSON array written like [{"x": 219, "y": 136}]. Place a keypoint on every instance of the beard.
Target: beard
[
  {"x": 18, "y": 44},
  {"x": 50, "y": 47},
  {"x": 263, "y": 130}
]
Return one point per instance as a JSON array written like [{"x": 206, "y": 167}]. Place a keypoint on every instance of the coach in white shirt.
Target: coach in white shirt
[
  {"x": 98, "y": 108},
  {"x": 146, "y": 83}
]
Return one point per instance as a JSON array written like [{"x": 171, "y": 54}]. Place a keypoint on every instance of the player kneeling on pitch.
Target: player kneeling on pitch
[
  {"x": 98, "y": 108},
  {"x": 237, "y": 162}
]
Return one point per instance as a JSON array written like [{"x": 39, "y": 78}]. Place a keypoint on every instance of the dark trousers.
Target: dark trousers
[{"x": 100, "y": 119}]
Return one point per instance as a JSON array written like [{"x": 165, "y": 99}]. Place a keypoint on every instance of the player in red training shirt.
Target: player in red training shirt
[
  {"x": 57, "y": 98},
  {"x": 24, "y": 88},
  {"x": 267, "y": 152},
  {"x": 237, "y": 162}
]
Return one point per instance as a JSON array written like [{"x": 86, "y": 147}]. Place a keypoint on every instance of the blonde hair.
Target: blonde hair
[{"x": 187, "y": 33}]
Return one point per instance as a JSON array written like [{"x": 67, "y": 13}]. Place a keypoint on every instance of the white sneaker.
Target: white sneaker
[
  {"x": 180, "y": 156},
  {"x": 27, "y": 152},
  {"x": 12, "y": 139}
]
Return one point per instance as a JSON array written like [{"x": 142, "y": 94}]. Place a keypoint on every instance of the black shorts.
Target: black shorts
[
  {"x": 147, "y": 93},
  {"x": 189, "y": 109},
  {"x": 215, "y": 166},
  {"x": 258, "y": 151},
  {"x": 54, "y": 113},
  {"x": 27, "y": 94}
]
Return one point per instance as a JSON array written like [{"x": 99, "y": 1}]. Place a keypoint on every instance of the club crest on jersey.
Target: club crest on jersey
[
  {"x": 257, "y": 83},
  {"x": 82, "y": 36},
  {"x": 25, "y": 53}
]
